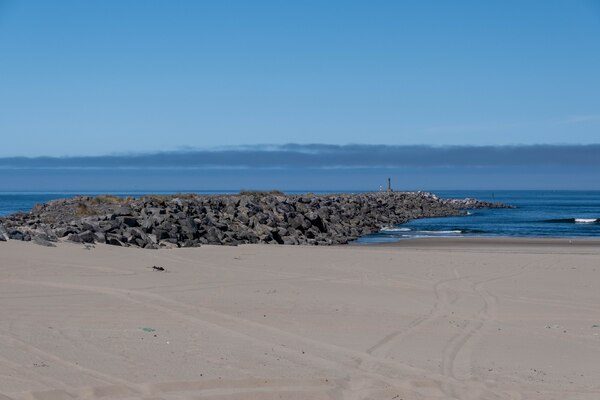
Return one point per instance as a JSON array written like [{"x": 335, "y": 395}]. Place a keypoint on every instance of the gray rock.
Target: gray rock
[
  {"x": 147, "y": 224},
  {"x": 47, "y": 233},
  {"x": 161, "y": 234},
  {"x": 113, "y": 241},
  {"x": 3, "y": 234},
  {"x": 109, "y": 225},
  {"x": 100, "y": 237},
  {"x": 42, "y": 242},
  {"x": 123, "y": 211},
  {"x": 83, "y": 237}
]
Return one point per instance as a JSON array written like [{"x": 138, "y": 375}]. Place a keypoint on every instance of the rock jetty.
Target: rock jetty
[{"x": 251, "y": 217}]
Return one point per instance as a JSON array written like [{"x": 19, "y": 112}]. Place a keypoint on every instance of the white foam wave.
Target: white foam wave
[
  {"x": 418, "y": 236},
  {"x": 392, "y": 229},
  {"x": 440, "y": 232},
  {"x": 586, "y": 220}
]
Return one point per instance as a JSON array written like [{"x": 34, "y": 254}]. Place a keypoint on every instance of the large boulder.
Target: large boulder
[
  {"x": 3, "y": 234},
  {"x": 83, "y": 237}
]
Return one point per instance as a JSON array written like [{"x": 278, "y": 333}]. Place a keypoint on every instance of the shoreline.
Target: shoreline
[{"x": 499, "y": 241}]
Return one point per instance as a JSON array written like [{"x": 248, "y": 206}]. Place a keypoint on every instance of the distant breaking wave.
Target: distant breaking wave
[
  {"x": 573, "y": 221},
  {"x": 586, "y": 220}
]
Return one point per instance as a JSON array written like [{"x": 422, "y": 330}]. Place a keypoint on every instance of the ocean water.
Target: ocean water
[
  {"x": 12, "y": 202},
  {"x": 538, "y": 214},
  {"x": 560, "y": 214}
]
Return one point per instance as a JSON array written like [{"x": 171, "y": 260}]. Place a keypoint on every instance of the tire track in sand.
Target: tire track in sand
[
  {"x": 209, "y": 388},
  {"x": 458, "y": 343},
  {"x": 324, "y": 354},
  {"x": 441, "y": 303}
]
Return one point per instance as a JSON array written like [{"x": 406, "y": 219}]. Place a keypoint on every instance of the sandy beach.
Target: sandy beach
[{"x": 423, "y": 319}]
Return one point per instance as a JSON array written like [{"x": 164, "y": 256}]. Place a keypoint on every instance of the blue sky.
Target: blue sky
[
  {"x": 103, "y": 77},
  {"x": 119, "y": 77}
]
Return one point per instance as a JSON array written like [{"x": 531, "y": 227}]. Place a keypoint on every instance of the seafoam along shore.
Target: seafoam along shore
[{"x": 250, "y": 217}]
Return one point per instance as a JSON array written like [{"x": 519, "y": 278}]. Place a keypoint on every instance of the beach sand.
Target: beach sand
[{"x": 423, "y": 319}]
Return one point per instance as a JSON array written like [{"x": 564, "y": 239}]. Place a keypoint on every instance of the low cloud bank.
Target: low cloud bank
[{"x": 331, "y": 156}]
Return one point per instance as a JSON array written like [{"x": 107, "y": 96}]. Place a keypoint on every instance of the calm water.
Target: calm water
[{"x": 538, "y": 214}]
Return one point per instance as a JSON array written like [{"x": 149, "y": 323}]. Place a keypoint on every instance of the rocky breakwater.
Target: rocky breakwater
[{"x": 194, "y": 220}]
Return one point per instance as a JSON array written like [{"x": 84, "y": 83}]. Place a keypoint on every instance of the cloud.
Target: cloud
[{"x": 323, "y": 156}]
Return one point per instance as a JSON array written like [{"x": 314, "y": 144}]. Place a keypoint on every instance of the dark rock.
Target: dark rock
[
  {"x": 16, "y": 235},
  {"x": 83, "y": 237},
  {"x": 316, "y": 221},
  {"x": 113, "y": 241},
  {"x": 299, "y": 222},
  {"x": 161, "y": 234},
  {"x": 276, "y": 236},
  {"x": 129, "y": 221}
]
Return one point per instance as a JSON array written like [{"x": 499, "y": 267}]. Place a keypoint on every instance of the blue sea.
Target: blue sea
[
  {"x": 537, "y": 214},
  {"x": 562, "y": 214}
]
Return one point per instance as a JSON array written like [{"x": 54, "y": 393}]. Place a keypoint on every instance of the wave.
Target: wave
[
  {"x": 586, "y": 220},
  {"x": 573, "y": 221},
  {"x": 417, "y": 236},
  {"x": 560, "y": 221},
  {"x": 439, "y": 232},
  {"x": 474, "y": 231},
  {"x": 414, "y": 232},
  {"x": 392, "y": 229}
]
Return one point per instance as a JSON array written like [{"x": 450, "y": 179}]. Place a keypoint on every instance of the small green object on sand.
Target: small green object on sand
[{"x": 148, "y": 330}]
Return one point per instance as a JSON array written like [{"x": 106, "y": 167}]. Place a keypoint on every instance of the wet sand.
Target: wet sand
[{"x": 423, "y": 319}]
